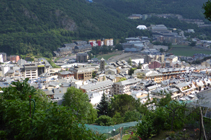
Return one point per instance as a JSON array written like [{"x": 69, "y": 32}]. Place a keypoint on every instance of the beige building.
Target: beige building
[
  {"x": 83, "y": 73},
  {"x": 149, "y": 75}
]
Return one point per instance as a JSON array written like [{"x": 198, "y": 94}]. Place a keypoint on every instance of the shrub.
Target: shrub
[{"x": 104, "y": 120}]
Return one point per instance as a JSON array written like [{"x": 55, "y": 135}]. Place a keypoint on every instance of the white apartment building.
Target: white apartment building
[
  {"x": 99, "y": 87},
  {"x": 124, "y": 87},
  {"x": 1, "y": 58},
  {"x": 30, "y": 71},
  {"x": 33, "y": 70}
]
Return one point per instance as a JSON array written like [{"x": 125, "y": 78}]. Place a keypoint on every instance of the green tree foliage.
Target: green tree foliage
[
  {"x": 207, "y": 8},
  {"x": 118, "y": 47},
  {"x": 92, "y": 115},
  {"x": 165, "y": 101},
  {"x": 52, "y": 63},
  {"x": 131, "y": 71},
  {"x": 104, "y": 120},
  {"x": 146, "y": 129},
  {"x": 192, "y": 44},
  {"x": 49, "y": 121},
  {"x": 176, "y": 113},
  {"x": 130, "y": 61},
  {"x": 188, "y": 8},
  {"x": 41, "y": 26},
  {"x": 170, "y": 116},
  {"x": 122, "y": 79},
  {"x": 152, "y": 123},
  {"x": 132, "y": 116},
  {"x": 139, "y": 65},
  {"x": 78, "y": 102},
  {"x": 102, "y": 107},
  {"x": 117, "y": 118},
  {"x": 161, "y": 50},
  {"x": 101, "y": 50},
  {"x": 93, "y": 74},
  {"x": 123, "y": 103}
]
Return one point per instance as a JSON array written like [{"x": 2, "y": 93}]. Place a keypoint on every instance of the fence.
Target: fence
[{"x": 114, "y": 131}]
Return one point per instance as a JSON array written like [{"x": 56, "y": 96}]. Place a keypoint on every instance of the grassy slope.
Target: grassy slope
[{"x": 187, "y": 51}]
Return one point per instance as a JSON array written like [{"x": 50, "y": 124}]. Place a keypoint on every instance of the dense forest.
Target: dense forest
[
  {"x": 39, "y": 27},
  {"x": 186, "y": 8}
]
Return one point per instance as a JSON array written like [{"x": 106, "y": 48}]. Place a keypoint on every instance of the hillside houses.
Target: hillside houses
[
  {"x": 161, "y": 34},
  {"x": 77, "y": 46}
]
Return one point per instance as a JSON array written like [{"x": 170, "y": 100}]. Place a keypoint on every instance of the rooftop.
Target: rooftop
[{"x": 129, "y": 81}]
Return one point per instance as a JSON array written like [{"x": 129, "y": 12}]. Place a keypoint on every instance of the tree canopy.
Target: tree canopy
[
  {"x": 78, "y": 102},
  {"x": 207, "y": 8},
  {"x": 41, "y": 26},
  {"x": 102, "y": 107},
  {"x": 123, "y": 103},
  {"x": 45, "y": 119}
]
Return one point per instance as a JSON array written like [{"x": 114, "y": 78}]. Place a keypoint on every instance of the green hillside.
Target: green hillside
[
  {"x": 187, "y": 8},
  {"x": 41, "y": 26}
]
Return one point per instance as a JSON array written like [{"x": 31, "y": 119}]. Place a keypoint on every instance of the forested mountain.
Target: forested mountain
[
  {"x": 41, "y": 26},
  {"x": 187, "y": 8}
]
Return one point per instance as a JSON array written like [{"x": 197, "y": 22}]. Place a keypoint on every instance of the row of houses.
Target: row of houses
[
  {"x": 143, "y": 89},
  {"x": 76, "y": 47},
  {"x": 101, "y": 42}
]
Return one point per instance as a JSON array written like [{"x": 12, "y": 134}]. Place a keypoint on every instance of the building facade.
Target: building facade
[
  {"x": 124, "y": 87},
  {"x": 82, "y": 57},
  {"x": 83, "y": 73}
]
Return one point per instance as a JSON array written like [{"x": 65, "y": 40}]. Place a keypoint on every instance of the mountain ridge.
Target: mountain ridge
[
  {"x": 41, "y": 26},
  {"x": 187, "y": 8}
]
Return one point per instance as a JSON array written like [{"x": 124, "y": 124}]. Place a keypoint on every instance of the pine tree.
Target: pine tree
[
  {"x": 102, "y": 107},
  {"x": 130, "y": 61},
  {"x": 139, "y": 65}
]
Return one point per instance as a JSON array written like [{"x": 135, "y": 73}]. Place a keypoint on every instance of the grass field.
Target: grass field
[
  {"x": 126, "y": 137},
  {"x": 107, "y": 56},
  {"x": 180, "y": 46},
  {"x": 187, "y": 51}
]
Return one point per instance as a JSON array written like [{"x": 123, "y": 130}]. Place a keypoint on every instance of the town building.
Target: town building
[
  {"x": 135, "y": 16},
  {"x": 33, "y": 70},
  {"x": 82, "y": 57},
  {"x": 83, "y": 73},
  {"x": 102, "y": 64},
  {"x": 154, "y": 64},
  {"x": 124, "y": 87},
  {"x": 14, "y": 58},
  {"x": 65, "y": 74},
  {"x": 98, "y": 87},
  {"x": 101, "y": 42},
  {"x": 4, "y": 55}
]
